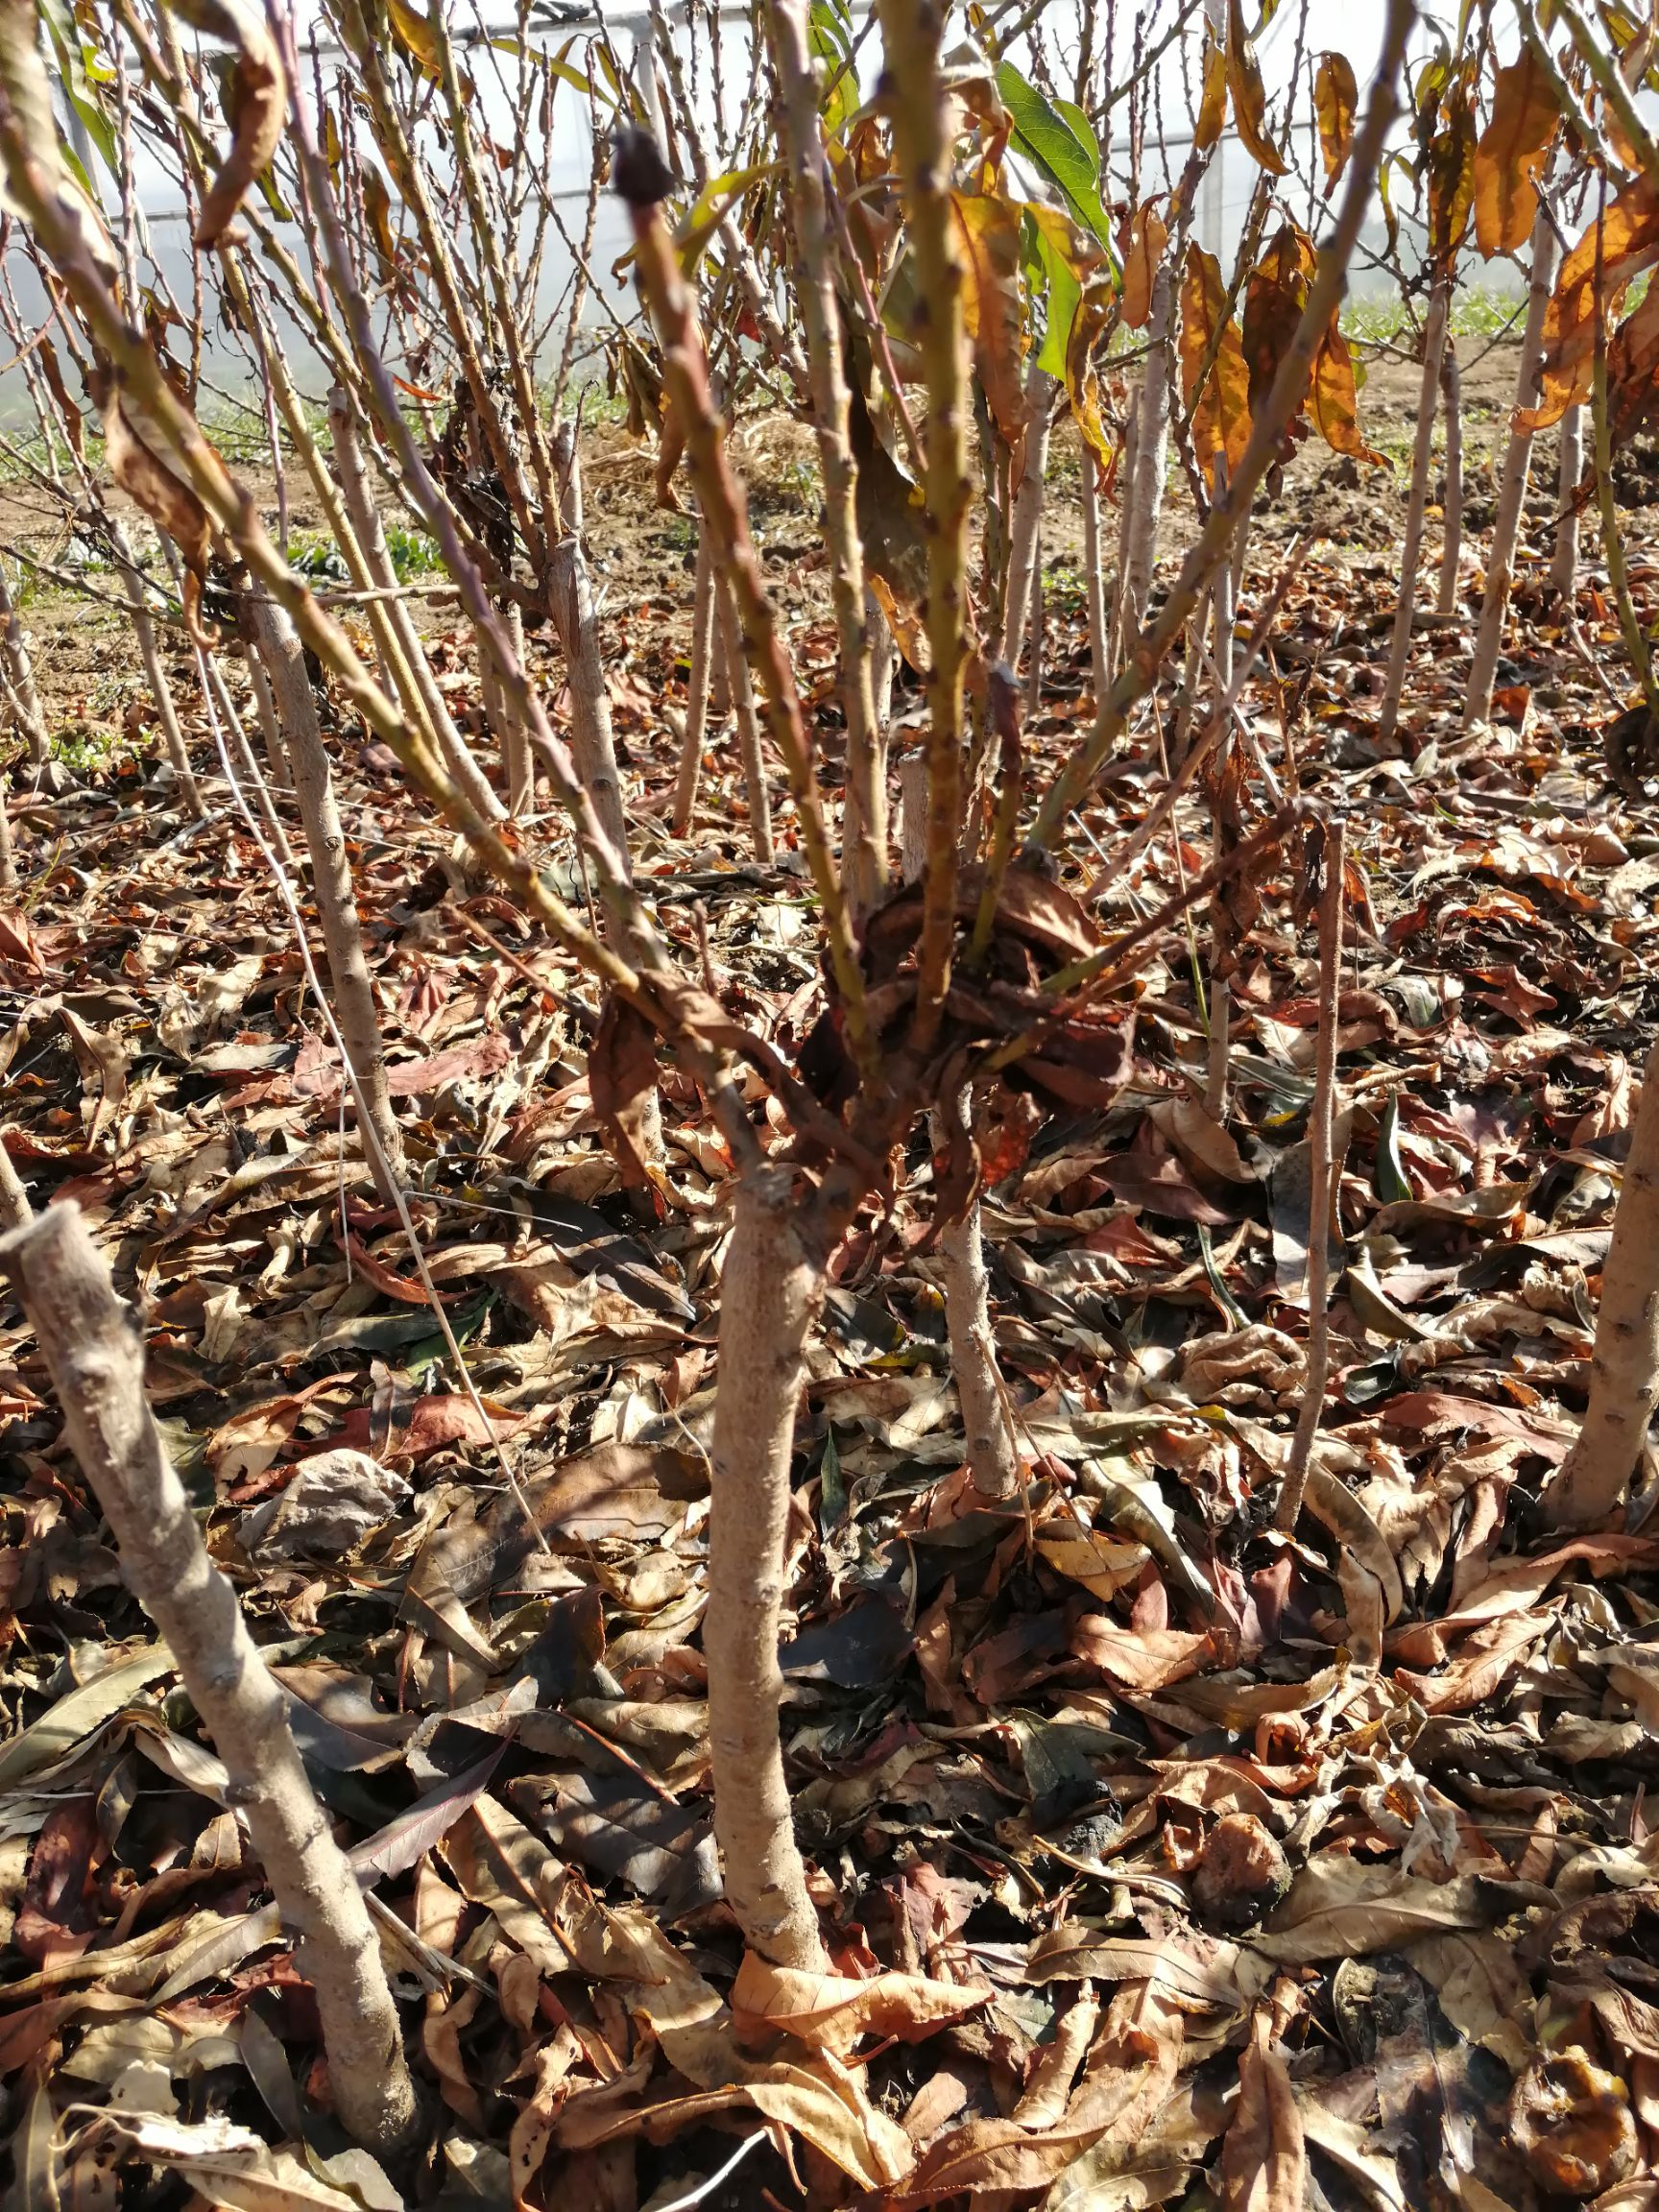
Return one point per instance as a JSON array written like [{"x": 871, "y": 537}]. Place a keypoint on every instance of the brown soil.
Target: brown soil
[{"x": 643, "y": 558}]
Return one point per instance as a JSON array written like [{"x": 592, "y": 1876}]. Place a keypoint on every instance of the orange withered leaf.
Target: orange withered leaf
[
  {"x": 1218, "y": 399},
  {"x": 1509, "y": 156},
  {"x": 1335, "y": 104}
]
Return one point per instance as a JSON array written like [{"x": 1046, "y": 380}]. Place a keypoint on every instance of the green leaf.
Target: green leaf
[
  {"x": 1050, "y": 267},
  {"x": 1074, "y": 117},
  {"x": 829, "y": 35},
  {"x": 1388, "y": 1176},
  {"x": 1071, "y": 163},
  {"x": 703, "y": 215},
  {"x": 78, "y": 85}
]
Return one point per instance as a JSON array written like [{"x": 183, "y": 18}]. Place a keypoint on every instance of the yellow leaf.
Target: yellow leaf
[
  {"x": 989, "y": 230},
  {"x": 1629, "y": 244},
  {"x": 1510, "y": 154},
  {"x": 1335, "y": 401},
  {"x": 1249, "y": 99},
  {"x": 1336, "y": 103},
  {"x": 1273, "y": 302},
  {"x": 1449, "y": 164},
  {"x": 1142, "y": 256},
  {"x": 414, "y": 34},
  {"x": 1213, "y": 100},
  {"x": 1219, "y": 403}
]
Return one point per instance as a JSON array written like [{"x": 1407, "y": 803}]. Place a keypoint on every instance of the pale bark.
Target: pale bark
[
  {"x": 20, "y": 677},
  {"x": 883, "y": 666},
  {"x": 1422, "y": 459},
  {"x": 514, "y": 738},
  {"x": 1121, "y": 610},
  {"x": 593, "y": 741},
  {"x": 992, "y": 1449},
  {"x": 15, "y": 1208},
  {"x": 1220, "y": 996},
  {"x": 1512, "y": 492},
  {"x": 1321, "y": 1143},
  {"x": 1151, "y": 458},
  {"x": 94, "y": 1353},
  {"x": 864, "y": 831},
  {"x": 593, "y": 738},
  {"x": 1034, "y": 628},
  {"x": 769, "y": 1294},
  {"x": 401, "y": 641},
  {"x": 696, "y": 689},
  {"x": 8, "y": 857},
  {"x": 1451, "y": 507},
  {"x": 1025, "y": 525},
  {"x": 913, "y": 816},
  {"x": 264, "y": 705},
  {"x": 748, "y": 721},
  {"x": 1094, "y": 582},
  {"x": 256, "y": 787},
  {"x": 504, "y": 724},
  {"x": 1625, "y": 1365},
  {"x": 354, "y": 1007},
  {"x": 1564, "y": 567},
  {"x": 155, "y": 672}
]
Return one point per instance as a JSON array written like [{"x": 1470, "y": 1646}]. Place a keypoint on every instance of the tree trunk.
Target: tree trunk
[
  {"x": 264, "y": 705},
  {"x": 863, "y": 824},
  {"x": 1422, "y": 458},
  {"x": 154, "y": 674},
  {"x": 769, "y": 1293},
  {"x": 1322, "y": 1182},
  {"x": 8, "y": 858},
  {"x": 992, "y": 1449},
  {"x": 1221, "y": 955},
  {"x": 1094, "y": 582},
  {"x": 14, "y": 1206},
  {"x": 1564, "y": 567},
  {"x": 516, "y": 752},
  {"x": 1452, "y": 509},
  {"x": 415, "y": 675},
  {"x": 1151, "y": 458},
  {"x": 1512, "y": 494},
  {"x": 1624, "y": 1366},
  {"x": 747, "y": 723},
  {"x": 355, "y": 1005},
  {"x": 95, "y": 1354},
  {"x": 21, "y": 676},
  {"x": 1026, "y": 523},
  {"x": 1034, "y": 631},
  {"x": 697, "y": 687},
  {"x": 592, "y": 741}
]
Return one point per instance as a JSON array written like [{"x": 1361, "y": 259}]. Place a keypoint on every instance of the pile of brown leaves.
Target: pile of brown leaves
[{"x": 1161, "y": 1860}]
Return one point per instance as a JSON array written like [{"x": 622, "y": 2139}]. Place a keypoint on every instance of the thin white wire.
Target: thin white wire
[{"x": 708, "y": 2187}]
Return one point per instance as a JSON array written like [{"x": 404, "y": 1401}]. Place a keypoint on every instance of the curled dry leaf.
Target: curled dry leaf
[
  {"x": 136, "y": 457},
  {"x": 1265, "y": 2153},
  {"x": 831, "y": 2011},
  {"x": 1336, "y": 103},
  {"x": 1249, "y": 98},
  {"x": 1510, "y": 155},
  {"x": 622, "y": 1082},
  {"x": 1220, "y": 401},
  {"x": 988, "y": 229},
  {"x": 259, "y": 105}
]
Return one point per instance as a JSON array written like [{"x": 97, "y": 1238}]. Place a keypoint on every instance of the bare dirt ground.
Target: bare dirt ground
[{"x": 642, "y": 556}]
